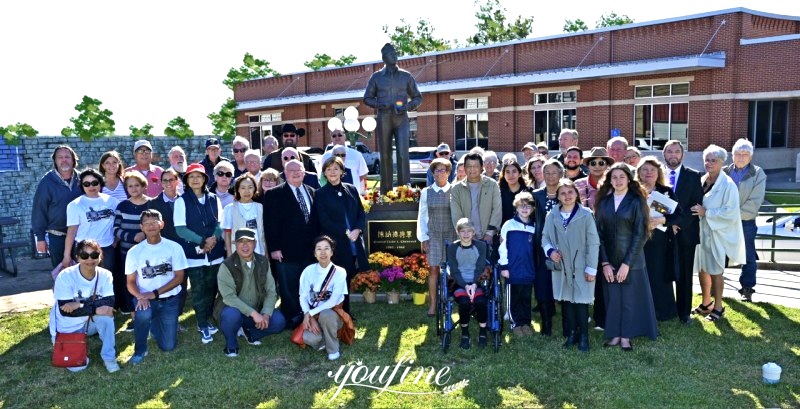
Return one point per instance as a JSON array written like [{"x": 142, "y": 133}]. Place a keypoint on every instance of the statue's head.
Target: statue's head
[{"x": 389, "y": 54}]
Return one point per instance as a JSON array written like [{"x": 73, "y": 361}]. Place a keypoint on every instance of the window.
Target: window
[
  {"x": 548, "y": 121},
  {"x": 471, "y": 128},
  {"x": 662, "y": 120},
  {"x": 262, "y": 126},
  {"x": 658, "y": 123},
  {"x": 412, "y": 132},
  {"x": 767, "y": 123}
]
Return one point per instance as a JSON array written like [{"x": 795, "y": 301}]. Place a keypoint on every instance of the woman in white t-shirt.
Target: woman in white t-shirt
[
  {"x": 91, "y": 216},
  {"x": 244, "y": 212},
  {"x": 82, "y": 291}
]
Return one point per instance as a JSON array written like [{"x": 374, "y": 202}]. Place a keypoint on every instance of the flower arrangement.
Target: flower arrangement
[
  {"x": 390, "y": 270},
  {"x": 365, "y": 281},
  {"x": 400, "y": 194},
  {"x": 416, "y": 272}
]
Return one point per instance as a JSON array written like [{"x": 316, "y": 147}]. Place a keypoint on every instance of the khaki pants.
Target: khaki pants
[{"x": 330, "y": 323}]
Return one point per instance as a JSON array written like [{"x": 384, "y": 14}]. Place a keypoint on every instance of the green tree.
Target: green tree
[
  {"x": 143, "y": 132},
  {"x": 613, "y": 20},
  {"x": 573, "y": 26},
  {"x": 409, "y": 41},
  {"x": 178, "y": 128},
  {"x": 492, "y": 27},
  {"x": 325, "y": 60},
  {"x": 224, "y": 121},
  {"x": 13, "y": 134},
  {"x": 92, "y": 121},
  {"x": 251, "y": 68}
]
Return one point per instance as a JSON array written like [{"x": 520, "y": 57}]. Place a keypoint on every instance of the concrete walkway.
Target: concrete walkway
[{"x": 32, "y": 289}]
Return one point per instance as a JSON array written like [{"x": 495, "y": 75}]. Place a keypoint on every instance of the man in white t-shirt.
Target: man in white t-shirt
[{"x": 154, "y": 268}]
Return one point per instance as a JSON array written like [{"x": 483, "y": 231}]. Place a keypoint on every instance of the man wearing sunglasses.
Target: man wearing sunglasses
[
  {"x": 213, "y": 150},
  {"x": 289, "y": 136},
  {"x": 143, "y": 155},
  {"x": 309, "y": 178}
]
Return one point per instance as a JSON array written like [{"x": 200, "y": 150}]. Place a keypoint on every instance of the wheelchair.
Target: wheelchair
[{"x": 494, "y": 286}]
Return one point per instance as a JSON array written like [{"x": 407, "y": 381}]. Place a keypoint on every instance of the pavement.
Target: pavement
[{"x": 32, "y": 289}]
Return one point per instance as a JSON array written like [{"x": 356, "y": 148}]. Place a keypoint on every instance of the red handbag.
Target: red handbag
[{"x": 70, "y": 350}]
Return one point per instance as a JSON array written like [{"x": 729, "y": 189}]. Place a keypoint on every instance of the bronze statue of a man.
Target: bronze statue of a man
[{"x": 392, "y": 92}]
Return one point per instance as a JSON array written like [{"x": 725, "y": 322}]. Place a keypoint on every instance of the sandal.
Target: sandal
[
  {"x": 716, "y": 315},
  {"x": 704, "y": 309}
]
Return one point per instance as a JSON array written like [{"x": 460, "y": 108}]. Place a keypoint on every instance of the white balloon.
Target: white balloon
[
  {"x": 369, "y": 124},
  {"x": 351, "y": 125},
  {"x": 334, "y": 124},
  {"x": 351, "y": 113}
]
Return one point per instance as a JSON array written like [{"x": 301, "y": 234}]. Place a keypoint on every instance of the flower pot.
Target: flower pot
[
  {"x": 419, "y": 298},
  {"x": 393, "y": 297},
  {"x": 369, "y": 296}
]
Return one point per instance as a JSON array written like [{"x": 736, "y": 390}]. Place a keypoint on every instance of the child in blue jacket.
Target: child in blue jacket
[{"x": 517, "y": 263}]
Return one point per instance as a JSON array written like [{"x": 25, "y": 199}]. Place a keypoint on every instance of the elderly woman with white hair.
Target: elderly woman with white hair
[
  {"x": 752, "y": 183},
  {"x": 490, "y": 165},
  {"x": 720, "y": 231},
  {"x": 223, "y": 176}
]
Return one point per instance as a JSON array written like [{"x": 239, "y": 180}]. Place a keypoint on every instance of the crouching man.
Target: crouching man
[
  {"x": 154, "y": 269},
  {"x": 246, "y": 302}
]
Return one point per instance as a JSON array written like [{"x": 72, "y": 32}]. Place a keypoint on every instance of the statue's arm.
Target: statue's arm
[
  {"x": 371, "y": 93},
  {"x": 413, "y": 92}
]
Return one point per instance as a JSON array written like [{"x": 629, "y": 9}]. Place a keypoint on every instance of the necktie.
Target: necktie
[
  {"x": 302, "y": 201},
  {"x": 672, "y": 179}
]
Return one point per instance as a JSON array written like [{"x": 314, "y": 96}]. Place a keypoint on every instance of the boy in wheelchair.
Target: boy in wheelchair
[{"x": 466, "y": 259}]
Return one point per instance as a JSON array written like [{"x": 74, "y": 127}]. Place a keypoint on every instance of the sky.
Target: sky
[{"x": 150, "y": 61}]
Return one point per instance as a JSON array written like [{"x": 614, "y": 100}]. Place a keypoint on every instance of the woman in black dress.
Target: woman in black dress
[
  {"x": 659, "y": 250},
  {"x": 341, "y": 216},
  {"x": 622, "y": 218}
]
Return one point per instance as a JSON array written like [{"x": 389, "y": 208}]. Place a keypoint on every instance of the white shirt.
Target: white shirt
[
  {"x": 422, "y": 217},
  {"x": 118, "y": 193},
  {"x": 155, "y": 265},
  {"x": 179, "y": 219},
  {"x": 94, "y": 218},
  {"x": 311, "y": 279},
  {"x": 71, "y": 285},
  {"x": 304, "y": 194},
  {"x": 249, "y": 213}
]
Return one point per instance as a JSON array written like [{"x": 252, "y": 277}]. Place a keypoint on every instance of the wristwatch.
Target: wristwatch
[{"x": 155, "y": 293}]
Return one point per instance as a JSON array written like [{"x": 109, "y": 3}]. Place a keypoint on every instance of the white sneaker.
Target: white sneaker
[
  {"x": 241, "y": 333},
  {"x": 111, "y": 366},
  {"x": 205, "y": 336},
  {"x": 334, "y": 356}
]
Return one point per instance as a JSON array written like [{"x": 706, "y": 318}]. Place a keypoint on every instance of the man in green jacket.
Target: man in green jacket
[{"x": 246, "y": 302}]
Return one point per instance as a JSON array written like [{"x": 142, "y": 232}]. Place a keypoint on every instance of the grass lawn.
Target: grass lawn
[
  {"x": 790, "y": 198},
  {"x": 699, "y": 365}
]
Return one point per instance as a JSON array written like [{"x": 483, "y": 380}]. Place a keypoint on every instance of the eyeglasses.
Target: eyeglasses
[
  {"x": 289, "y": 157},
  {"x": 243, "y": 150},
  {"x": 93, "y": 255},
  {"x": 92, "y": 183},
  {"x": 289, "y": 135},
  {"x": 543, "y": 151},
  {"x": 340, "y": 155},
  {"x": 252, "y": 161},
  {"x": 630, "y": 157},
  {"x": 337, "y": 135},
  {"x": 144, "y": 151},
  {"x": 440, "y": 170},
  {"x": 597, "y": 163},
  {"x": 224, "y": 174},
  {"x": 444, "y": 153},
  {"x": 163, "y": 181},
  {"x": 525, "y": 207}
]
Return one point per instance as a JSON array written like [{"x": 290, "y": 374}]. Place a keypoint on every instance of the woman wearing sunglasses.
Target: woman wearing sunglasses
[
  {"x": 91, "y": 216},
  {"x": 221, "y": 187},
  {"x": 82, "y": 291},
  {"x": 597, "y": 161}
]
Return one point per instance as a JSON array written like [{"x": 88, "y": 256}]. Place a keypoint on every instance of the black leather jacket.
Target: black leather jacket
[
  {"x": 390, "y": 85},
  {"x": 622, "y": 232}
]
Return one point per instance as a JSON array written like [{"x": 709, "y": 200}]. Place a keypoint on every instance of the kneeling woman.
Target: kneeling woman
[
  {"x": 84, "y": 295},
  {"x": 467, "y": 259},
  {"x": 323, "y": 286}
]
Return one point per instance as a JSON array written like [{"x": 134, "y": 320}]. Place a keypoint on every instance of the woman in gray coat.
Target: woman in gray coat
[{"x": 570, "y": 240}]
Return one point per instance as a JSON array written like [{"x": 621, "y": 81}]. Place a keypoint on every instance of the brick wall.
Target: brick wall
[{"x": 20, "y": 186}]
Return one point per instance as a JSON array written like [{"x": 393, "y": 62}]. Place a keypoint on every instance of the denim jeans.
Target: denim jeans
[
  {"x": 748, "y": 277},
  {"x": 103, "y": 326},
  {"x": 161, "y": 319},
  {"x": 204, "y": 290},
  {"x": 231, "y": 319},
  {"x": 56, "y": 248}
]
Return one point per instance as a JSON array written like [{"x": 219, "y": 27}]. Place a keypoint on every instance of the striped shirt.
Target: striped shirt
[{"x": 126, "y": 223}]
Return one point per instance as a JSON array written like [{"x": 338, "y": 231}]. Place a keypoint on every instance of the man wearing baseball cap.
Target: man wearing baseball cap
[
  {"x": 143, "y": 156},
  {"x": 245, "y": 305},
  {"x": 213, "y": 150},
  {"x": 528, "y": 151},
  {"x": 443, "y": 151}
]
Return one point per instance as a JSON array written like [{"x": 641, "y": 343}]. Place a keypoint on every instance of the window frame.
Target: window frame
[{"x": 475, "y": 111}]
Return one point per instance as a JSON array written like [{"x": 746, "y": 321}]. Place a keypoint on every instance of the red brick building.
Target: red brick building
[{"x": 706, "y": 78}]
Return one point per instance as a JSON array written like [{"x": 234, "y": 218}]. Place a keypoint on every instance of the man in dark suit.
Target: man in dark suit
[
  {"x": 290, "y": 229},
  {"x": 685, "y": 183}
]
